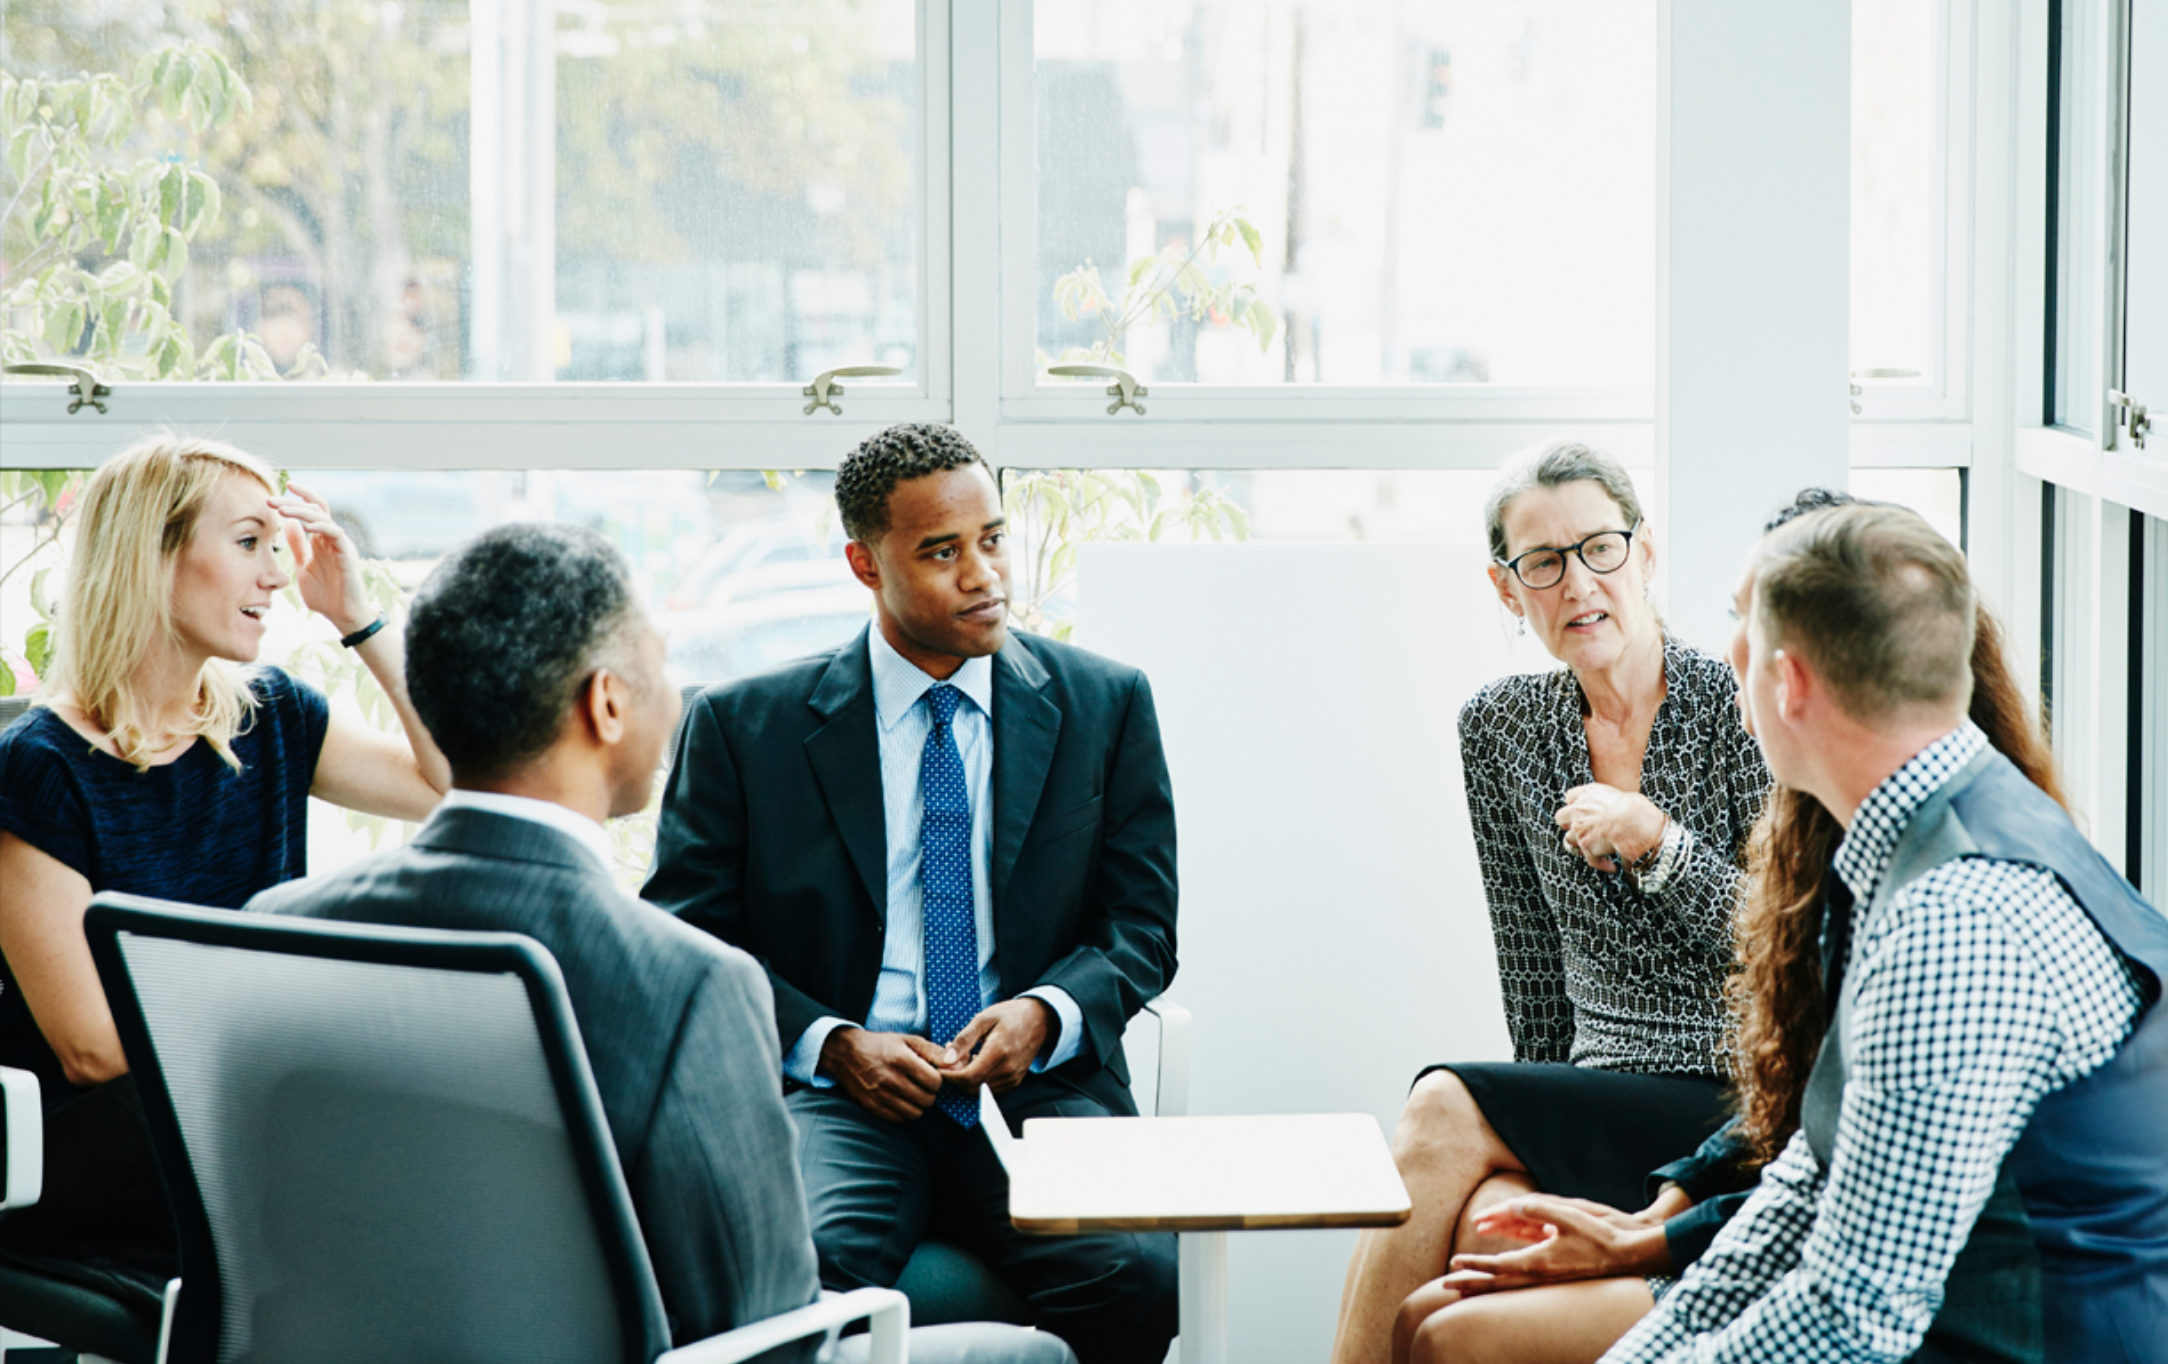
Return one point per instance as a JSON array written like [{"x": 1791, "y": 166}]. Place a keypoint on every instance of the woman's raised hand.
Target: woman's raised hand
[
  {"x": 327, "y": 563},
  {"x": 1608, "y": 828}
]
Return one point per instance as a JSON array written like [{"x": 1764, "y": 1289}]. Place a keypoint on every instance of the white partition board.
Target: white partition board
[{"x": 1333, "y": 935}]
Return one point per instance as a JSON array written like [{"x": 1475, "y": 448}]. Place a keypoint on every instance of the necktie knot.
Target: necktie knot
[{"x": 941, "y": 699}]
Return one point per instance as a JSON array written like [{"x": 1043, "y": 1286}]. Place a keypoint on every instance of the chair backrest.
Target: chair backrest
[
  {"x": 382, "y": 1144},
  {"x": 13, "y": 708}
]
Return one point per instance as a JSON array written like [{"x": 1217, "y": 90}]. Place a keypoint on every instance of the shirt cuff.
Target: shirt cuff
[
  {"x": 1069, "y": 1037},
  {"x": 802, "y": 1061},
  {"x": 1714, "y": 1168},
  {"x": 1690, "y": 1234}
]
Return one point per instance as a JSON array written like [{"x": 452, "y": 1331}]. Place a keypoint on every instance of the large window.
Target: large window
[
  {"x": 709, "y": 191},
  {"x": 1427, "y": 194},
  {"x": 1898, "y": 126}
]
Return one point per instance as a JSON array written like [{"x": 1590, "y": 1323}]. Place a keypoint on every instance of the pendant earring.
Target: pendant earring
[{"x": 1520, "y": 624}]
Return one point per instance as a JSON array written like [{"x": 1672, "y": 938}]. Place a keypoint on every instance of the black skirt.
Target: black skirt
[{"x": 1594, "y": 1134}]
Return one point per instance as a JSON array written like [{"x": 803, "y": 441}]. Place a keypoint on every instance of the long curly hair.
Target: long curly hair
[{"x": 1776, "y": 992}]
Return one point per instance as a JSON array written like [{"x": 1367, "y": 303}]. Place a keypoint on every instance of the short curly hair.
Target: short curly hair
[
  {"x": 505, "y": 632},
  {"x": 906, "y": 451}
]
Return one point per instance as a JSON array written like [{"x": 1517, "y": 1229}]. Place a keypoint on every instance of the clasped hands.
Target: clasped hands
[
  {"x": 1570, "y": 1238},
  {"x": 897, "y": 1075},
  {"x": 1608, "y": 828}
]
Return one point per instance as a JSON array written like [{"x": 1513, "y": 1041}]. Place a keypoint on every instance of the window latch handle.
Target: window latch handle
[
  {"x": 86, "y": 387},
  {"x": 1125, "y": 390},
  {"x": 824, "y": 390},
  {"x": 1879, "y": 373},
  {"x": 2130, "y": 415}
]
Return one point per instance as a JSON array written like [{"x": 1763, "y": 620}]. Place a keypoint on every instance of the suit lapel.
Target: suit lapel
[
  {"x": 846, "y": 757},
  {"x": 1026, "y": 725}
]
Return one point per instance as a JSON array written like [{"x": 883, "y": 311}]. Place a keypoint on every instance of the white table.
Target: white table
[{"x": 1202, "y": 1177}]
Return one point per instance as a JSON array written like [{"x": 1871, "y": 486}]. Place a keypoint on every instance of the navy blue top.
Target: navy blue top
[{"x": 193, "y": 830}]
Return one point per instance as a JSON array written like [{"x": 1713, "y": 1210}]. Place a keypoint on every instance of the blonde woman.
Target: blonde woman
[{"x": 158, "y": 762}]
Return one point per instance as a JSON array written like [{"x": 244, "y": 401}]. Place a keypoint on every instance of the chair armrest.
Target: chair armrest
[
  {"x": 165, "y": 1319},
  {"x": 888, "y": 1315},
  {"x": 1172, "y": 1100},
  {"x": 25, "y": 1118}
]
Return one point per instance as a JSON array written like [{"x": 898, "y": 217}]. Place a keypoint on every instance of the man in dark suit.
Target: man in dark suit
[
  {"x": 533, "y": 666},
  {"x": 952, "y": 847}
]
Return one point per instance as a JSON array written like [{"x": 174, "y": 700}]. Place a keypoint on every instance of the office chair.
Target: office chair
[
  {"x": 386, "y": 1144},
  {"x": 70, "y": 1307}
]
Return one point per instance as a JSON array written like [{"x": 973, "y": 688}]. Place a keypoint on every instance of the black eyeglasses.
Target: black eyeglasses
[{"x": 1603, "y": 552}]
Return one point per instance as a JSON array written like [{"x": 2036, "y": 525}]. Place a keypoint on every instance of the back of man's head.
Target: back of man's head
[
  {"x": 503, "y": 635},
  {"x": 1878, "y": 604}
]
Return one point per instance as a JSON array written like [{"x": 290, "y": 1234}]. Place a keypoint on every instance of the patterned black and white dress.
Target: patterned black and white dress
[{"x": 1613, "y": 992}]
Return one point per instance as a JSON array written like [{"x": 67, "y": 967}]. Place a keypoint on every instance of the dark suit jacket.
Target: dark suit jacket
[
  {"x": 773, "y": 838},
  {"x": 677, "y": 1032}
]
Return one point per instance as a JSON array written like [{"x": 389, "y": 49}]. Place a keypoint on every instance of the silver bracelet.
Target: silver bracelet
[{"x": 1670, "y": 853}]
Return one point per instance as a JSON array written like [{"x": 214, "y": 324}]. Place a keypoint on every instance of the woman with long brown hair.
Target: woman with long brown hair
[{"x": 1581, "y": 1278}]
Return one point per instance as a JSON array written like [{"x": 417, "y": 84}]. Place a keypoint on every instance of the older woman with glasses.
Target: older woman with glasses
[{"x": 1611, "y": 801}]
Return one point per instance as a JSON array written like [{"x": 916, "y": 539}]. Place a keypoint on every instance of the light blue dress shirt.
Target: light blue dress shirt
[{"x": 899, "y": 996}]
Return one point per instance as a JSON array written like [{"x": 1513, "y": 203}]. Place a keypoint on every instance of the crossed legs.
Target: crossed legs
[
  {"x": 1565, "y": 1323},
  {"x": 1454, "y": 1165}
]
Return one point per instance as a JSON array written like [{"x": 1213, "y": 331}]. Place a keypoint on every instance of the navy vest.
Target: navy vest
[{"x": 2091, "y": 1166}]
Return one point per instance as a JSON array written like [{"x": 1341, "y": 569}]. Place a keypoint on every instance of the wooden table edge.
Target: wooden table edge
[{"x": 1294, "y": 1221}]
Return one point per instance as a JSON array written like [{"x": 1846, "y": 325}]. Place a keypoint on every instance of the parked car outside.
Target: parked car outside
[{"x": 718, "y": 644}]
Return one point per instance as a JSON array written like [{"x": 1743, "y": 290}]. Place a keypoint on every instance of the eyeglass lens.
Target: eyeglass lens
[{"x": 1602, "y": 553}]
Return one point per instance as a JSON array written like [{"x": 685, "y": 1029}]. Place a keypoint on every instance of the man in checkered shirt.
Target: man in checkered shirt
[{"x": 1976, "y": 1176}]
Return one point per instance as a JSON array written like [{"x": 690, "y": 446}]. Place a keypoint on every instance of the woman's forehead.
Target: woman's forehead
[{"x": 1540, "y": 514}]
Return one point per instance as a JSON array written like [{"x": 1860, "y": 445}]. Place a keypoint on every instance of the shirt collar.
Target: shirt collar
[
  {"x": 898, "y": 683},
  {"x": 1865, "y": 852},
  {"x": 578, "y": 827}
]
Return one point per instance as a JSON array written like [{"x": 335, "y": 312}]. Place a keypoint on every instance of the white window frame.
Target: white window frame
[
  {"x": 978, "y": 331},
  {"x": 1946, "y": 397},
  {"x": 397, "y": 425},
  {"x": 2098, "y": 482},
  {"x": 2094, "y": 464}
]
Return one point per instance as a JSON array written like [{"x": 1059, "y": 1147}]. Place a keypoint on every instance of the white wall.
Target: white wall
[
  {"x": 1752, "y": 299},
  {"x": 1333, "y": 934}
]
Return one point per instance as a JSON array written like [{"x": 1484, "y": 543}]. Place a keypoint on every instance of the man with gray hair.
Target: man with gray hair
[
  {"x": 531, "y": 662},
  {"x": 1979, "y": 1172}
]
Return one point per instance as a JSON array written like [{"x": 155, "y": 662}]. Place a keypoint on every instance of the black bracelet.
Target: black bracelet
[{"x": 363, "y": 635}]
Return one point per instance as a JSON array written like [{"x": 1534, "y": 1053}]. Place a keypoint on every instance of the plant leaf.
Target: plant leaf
[{"x": 38, "y": 646}]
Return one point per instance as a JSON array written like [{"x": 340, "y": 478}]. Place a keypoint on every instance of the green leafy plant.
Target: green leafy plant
[
  {"x": 97, "y": 236},
  {"x": 1173, "y": 283},
  {"x": 1053, "y": 513},
  {"x": 48, "y": 495}
]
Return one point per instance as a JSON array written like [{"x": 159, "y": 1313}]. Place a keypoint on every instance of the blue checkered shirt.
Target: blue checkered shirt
[{"x": 1982, "y": 988}]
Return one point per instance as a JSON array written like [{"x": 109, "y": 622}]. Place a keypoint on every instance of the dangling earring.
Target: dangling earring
[
  {"x": 1520, "y": 626},
  {"x": 1645, "y": 589}
]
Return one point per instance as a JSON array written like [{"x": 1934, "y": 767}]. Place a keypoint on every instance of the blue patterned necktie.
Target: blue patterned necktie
[{"x": 944, "y": 869}]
